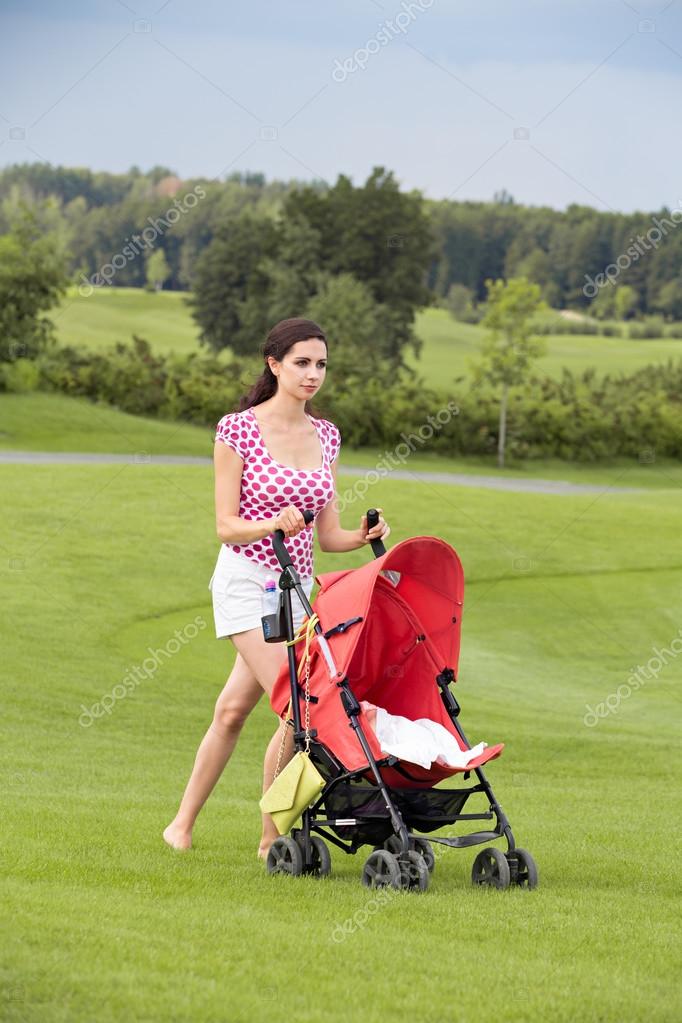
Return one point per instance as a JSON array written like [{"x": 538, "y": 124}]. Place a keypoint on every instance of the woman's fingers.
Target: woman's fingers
[
  {"x": 294, "y": 521},
  {"x": 380, "y": 531}
]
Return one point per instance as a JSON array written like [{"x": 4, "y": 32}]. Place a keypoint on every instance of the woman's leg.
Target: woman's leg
[
  {"x": 265, "y": 660},
  {"x": 238, "y": 698},
  {"x": 270, "y": 832}
]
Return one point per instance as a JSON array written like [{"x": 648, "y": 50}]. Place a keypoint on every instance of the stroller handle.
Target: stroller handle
[
  {"x": 284, "y": 557},
  {"x": 282, "y": 553},
  {"x": 377, "y": 545}
]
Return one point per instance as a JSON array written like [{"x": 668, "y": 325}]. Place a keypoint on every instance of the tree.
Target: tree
[
  {"x": 603, "y": 305},
  {"x": 509, "y": 349},
  {"x": 351, "y": 319},
  {"x": 258, "y": 269},
  {"x": 292, "y": 271},
  {"x": 625, "y": 302},
  {"x": 459, "y": 303},
  {"x": 158, "y": 270},
  {"x": 33, "y": 278},
  {"x": 230, "y": 290},
  {"x": 669, "y": 299},
  {"x": 381, "y": 236}
]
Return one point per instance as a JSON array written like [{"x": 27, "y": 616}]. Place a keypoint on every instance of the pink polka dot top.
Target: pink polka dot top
[{"x": 268, "y": 487}]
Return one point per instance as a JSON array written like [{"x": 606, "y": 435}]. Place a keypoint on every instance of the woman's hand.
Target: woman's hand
[
  {"x": 290, "y": 521},
  {"x": 380, "y": 532}
]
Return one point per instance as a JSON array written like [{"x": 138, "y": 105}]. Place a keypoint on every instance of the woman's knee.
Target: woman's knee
[
  {"x": 238, "y": 698},
  {"x": 229, "y": 716}
]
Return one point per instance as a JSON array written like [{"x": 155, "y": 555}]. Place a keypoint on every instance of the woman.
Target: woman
[{"x": 272, "y": 460}]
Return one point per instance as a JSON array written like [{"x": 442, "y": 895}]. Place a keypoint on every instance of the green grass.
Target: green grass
[
  {"x": 450, "y": 346},
  {"x": 114, "y": 314},
  {"x": 102, "y": 922},
  {"x": 53, "y": 422}
]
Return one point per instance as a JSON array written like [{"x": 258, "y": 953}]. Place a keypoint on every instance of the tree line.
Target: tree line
[
  {"x": 359, "y": 260},
  {"x": 602, "y": 263}
]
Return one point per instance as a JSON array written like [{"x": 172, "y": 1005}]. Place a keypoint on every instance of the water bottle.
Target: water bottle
[
  {"x": 270, "y": 599},
  {"x": 273, "y": 625}
]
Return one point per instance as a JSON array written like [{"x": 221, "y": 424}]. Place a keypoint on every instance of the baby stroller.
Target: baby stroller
[{"x": 391, "y": 637}]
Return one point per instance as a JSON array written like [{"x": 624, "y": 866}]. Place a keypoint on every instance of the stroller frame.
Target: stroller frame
[{"x": 494, "y": 869}]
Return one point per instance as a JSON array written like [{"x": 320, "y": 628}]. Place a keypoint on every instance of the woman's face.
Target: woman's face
[{"x": 302, "y": 371}]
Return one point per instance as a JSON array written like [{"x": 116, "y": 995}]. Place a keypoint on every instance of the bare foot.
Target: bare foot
[
  {"x": 176, "y": 838},
  {"x": 264, "y": 847}
]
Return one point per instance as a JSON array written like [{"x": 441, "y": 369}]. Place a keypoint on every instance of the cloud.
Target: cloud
[{"x": 252, "y": 89}]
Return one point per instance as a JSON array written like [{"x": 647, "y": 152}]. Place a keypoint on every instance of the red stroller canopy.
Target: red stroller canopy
[{"x": 408, "y": 634}]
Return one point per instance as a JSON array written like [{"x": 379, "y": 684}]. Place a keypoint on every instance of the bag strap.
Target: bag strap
[{"x": 307, "y": 630}]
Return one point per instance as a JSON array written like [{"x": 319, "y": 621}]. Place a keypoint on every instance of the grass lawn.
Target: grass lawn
[
  {"x": 103, "y": 922},
  {"x": 53, "y": 422},
  {"x": 114, "y": 314},
  {"x": 449, "y": 347}
]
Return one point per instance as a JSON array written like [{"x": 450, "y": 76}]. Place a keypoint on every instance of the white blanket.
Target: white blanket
[{"x": 422, "y": 742}]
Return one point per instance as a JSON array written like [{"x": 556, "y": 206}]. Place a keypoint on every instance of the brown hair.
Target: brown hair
[{"x": 281, "y": 338}]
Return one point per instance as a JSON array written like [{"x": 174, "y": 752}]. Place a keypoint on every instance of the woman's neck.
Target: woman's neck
[{"x": 284, "y": 411}]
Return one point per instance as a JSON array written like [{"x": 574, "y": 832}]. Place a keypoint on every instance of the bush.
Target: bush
[
  {"x": 561, "y": 325},
  {"x": 673, "y": 330},
  {"x": 194, "y": 388},
  {"x": 19, "y": 377},
  {"x": 651, "y": 327},
  {"x": 579, "y": 417},
  {"x": 610, "y": 330}
]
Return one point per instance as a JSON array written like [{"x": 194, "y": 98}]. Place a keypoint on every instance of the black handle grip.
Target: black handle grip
[
  {"x": 376, "y": 545},
  {"x": 282, "y": 553}
]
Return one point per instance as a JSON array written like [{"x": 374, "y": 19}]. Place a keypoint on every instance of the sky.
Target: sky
[{"x": 556, "y": 102}]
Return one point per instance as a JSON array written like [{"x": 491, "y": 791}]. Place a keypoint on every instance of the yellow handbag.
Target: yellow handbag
[
  {"x": 292, "y": 792},
  {"x": 300, "y": 783}
]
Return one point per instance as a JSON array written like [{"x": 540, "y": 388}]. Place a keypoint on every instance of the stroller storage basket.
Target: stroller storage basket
[{"x": 422, "y": 809}]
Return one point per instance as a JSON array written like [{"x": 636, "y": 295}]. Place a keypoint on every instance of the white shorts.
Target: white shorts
[{"x": 237, "y": 586}]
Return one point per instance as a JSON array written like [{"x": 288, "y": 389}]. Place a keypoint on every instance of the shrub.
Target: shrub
[
  {"x": 19, "y": 377},
  {"x": 651, "y": 327},
  {"x": 562, "y": 325},
  {"x": 610, "y": 330},
  {"x": 581, "y": 417}
]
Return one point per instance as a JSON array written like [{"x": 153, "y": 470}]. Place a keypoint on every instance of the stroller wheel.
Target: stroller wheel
[
  {"x": 420, "y": 845},
  {"x": 414, "y": 874},
  {"x": 285, "y": 857},
  {"x": 523, "y": 869},
  {"x": 322, "y": 861},
  {"x": 392, "y": 845},
  {"x": 491, "y": 869},
  {"x": 425, "y": 849},
  {"x": 381, "y": 870}
]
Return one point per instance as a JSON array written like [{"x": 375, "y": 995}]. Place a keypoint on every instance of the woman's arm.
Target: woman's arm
[
  {"x": 333, "y": 539},
  {"x": 228, "y": 481}
]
